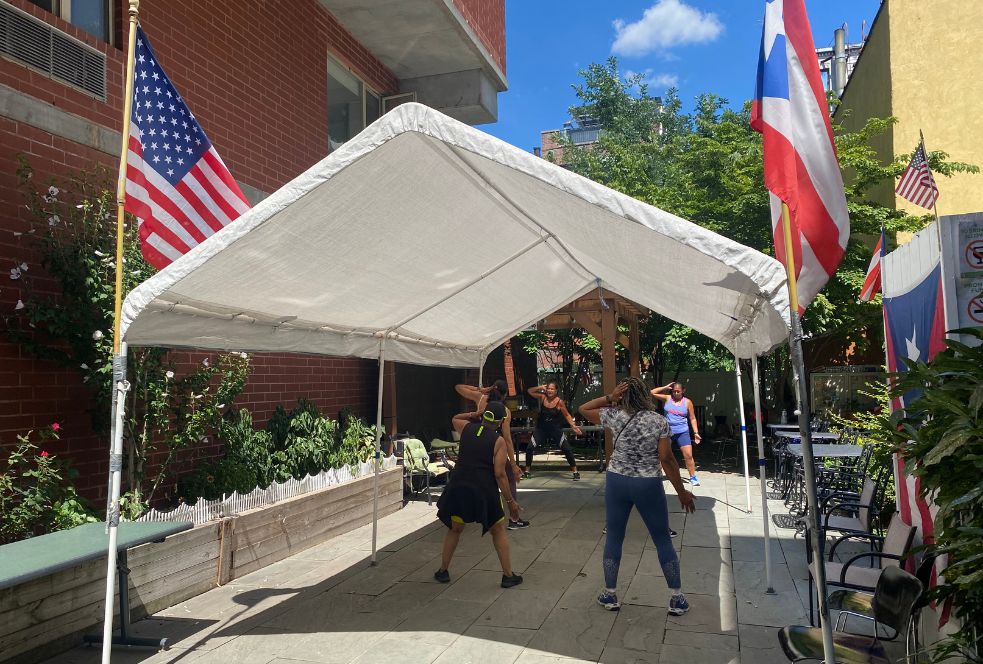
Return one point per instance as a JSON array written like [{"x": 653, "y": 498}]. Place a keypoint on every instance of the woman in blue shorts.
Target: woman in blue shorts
[{"x": 681, "y": 416}]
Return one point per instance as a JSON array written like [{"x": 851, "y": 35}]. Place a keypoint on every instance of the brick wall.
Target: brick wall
[
  {"x": 487, "y": 19},
  {"x": 255, "y": 76}
]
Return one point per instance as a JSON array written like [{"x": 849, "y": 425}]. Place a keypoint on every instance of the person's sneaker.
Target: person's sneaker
[
  {"x": 694, "y": 481},
  {"x": 442, "y": 575},
  {"x": 509, "y": 581},
  {"x": 609, "y": 601},
  {"x": 678, "y": 605},
  {"x": 672, "y": 533},
  {"x": 576, "y": 476},
  {"x": 516, "y": 525},
  {"x": 605, "y": 531},
  {"x": 526, "y": 475}
]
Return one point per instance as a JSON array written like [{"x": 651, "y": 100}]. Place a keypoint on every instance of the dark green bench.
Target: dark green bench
[{"x": 46, "y": 554}]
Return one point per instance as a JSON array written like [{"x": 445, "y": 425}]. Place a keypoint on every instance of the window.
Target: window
[
  {"x": 91, "y": 16},
  {"x": 351, "y": 105}
]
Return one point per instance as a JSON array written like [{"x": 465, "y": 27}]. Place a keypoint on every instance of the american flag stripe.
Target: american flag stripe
[{"x": 176, "y": 183}]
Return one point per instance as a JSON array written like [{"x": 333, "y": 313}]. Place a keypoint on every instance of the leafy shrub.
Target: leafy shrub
[
  {"x": 294, "y": 444},
  {"x": 36, "y": 495},
  {"x": 941, "y": 438}
]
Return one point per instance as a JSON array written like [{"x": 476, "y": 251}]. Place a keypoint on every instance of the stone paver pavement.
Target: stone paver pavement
[{"x": 328, "y": 605}]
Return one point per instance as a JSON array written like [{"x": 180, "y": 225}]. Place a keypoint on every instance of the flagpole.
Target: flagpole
[
  {"x": 120, "y": 386},
  {"x": 798, "y": 364},
  {"x": 938, "y": 230}
]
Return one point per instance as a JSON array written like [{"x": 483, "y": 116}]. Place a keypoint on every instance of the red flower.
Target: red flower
[
  {"x": 55, "y": 426},
  {"x": 44, "y": 453}
]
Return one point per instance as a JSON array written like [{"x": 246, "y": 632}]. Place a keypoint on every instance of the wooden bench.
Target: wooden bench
[{"x": 46, "y": 554}]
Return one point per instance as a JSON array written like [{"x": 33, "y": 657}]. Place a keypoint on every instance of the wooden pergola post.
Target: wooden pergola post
[
  {"x": 609, "y": 331},
  {"x": 634, "y": 356}
]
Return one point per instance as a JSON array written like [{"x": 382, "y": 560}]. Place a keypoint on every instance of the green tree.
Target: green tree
[{"x": 707, "y": 166}]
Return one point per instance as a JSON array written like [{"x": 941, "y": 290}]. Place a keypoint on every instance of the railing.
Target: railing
[{"x": 208, "y": 510}]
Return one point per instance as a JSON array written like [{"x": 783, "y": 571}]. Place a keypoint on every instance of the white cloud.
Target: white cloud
[
  {"x": 653, "y": 80},
  {"x": 665, "y": 24}
]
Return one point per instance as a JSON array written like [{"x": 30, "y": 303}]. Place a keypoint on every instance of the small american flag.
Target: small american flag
[
  {"x": 176, "y": 184},
  {"x": 917, "y": 184}
]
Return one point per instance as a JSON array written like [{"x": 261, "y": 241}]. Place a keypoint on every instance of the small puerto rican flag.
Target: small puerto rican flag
[{"x": 872, "y": 283}]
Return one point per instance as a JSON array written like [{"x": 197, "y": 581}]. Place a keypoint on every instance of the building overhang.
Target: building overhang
[{"x": 432, "y": 50}]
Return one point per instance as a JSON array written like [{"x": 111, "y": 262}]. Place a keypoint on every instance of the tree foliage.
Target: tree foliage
[{"x": 706, "y": 166}]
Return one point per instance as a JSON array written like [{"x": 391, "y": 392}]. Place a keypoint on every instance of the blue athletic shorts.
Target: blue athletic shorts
[{"x": 682, "y": 439}]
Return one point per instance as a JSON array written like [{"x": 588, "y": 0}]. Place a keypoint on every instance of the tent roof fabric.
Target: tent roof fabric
[{"x": 445, "y": 241}]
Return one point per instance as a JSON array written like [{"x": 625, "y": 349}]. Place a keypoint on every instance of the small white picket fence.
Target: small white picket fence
[{"x": 208, "y": 510}]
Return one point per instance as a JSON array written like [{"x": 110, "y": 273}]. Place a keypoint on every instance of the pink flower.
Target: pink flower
[
  {"x": 44, "y": 453},
  {"x": 55, "y": 426}
]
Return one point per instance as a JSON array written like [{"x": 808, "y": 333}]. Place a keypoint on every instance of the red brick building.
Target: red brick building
[{"x": 276, "y": 84}]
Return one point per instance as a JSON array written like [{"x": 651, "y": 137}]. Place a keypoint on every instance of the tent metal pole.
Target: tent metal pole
[
  {"x": 763, "y": 471},
  {"x": 112, "y": 517},
  {"x": 740, "y": 408},
  {"x": 481, "y": 368},
  {"x": 378, "y": 451}
]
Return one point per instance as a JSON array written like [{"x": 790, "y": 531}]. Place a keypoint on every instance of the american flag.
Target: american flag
[
  {"x": 917, "y": 185},
  {"x": 801, "y": 169},
  {"x": 176, "y": 184},
  {"x": 872, "y": 282}
]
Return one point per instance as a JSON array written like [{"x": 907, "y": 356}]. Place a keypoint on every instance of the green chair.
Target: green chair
[
  {"x": 416, "y": 464},
  {"x": 895, "y": 598}
]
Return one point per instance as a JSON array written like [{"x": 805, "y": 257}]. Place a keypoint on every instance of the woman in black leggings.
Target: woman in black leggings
[{"x": 549, "y": 426}]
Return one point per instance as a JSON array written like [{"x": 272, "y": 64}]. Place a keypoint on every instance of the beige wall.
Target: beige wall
[
  {"x": 937, "y": 63},
  {"x": 923, "y": 63},
  {"x": 868, "y": 95}
]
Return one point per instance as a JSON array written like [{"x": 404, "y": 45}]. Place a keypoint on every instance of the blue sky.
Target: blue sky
[{"x": 700, "y": 45}]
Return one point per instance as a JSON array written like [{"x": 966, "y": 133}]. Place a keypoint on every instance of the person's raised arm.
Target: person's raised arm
[
  {"x": 538, "y": 392},
  {"x": 471, "y": 392},
  {"x": 461, "y": 420},
  {"x": 697, "y": 438},
  {"x": 671, "y": 468},
  {"x": 662, "y": 393},
  {"x": 501, "y": 458},
  {"x": 592, "y": 409}
]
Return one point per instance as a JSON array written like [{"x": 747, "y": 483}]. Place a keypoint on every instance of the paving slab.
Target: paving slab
[{"x": 328, "y": 605}]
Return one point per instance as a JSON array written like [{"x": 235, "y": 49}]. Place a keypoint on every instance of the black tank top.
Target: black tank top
[
  {"x": 476, "y": 458},
  {"x": 549, "y": 417}
]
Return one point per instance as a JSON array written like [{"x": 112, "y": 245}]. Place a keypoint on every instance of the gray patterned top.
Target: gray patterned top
[{"x": 636, "y": 450}]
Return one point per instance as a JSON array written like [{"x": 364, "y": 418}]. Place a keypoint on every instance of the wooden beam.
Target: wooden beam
[
  {"x": 634, "y": 356},
  {"x": 608, "y": 375}
]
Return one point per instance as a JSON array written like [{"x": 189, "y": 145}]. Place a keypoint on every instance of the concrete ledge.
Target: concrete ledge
[{"x": 43, "y": 617}]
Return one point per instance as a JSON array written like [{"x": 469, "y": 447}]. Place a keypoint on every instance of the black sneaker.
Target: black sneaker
[
  {"x": 442, "y": 575},
  {"x": 526, "y": 475},
  {"x": 516, "y": 525},
  {"x": 672, "y": 533},
  {"x": 576, "y": 476},
  {"x": 509, "y": 581}
]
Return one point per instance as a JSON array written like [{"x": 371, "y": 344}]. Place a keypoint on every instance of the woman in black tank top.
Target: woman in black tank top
[
  {"x": 472, "y": 492},
  {"x": 549, "y": 426}
]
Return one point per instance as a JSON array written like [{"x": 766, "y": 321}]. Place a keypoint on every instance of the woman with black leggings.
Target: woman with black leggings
[
  {"x": 549, "y": 426},
  {"x": 634, "y": 479}
]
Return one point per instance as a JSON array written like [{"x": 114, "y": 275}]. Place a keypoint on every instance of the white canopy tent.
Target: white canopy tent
[{"x": 424, "y": 240}]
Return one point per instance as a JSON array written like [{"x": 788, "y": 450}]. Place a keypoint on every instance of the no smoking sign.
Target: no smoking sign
[{"x": 975, "y": 309}]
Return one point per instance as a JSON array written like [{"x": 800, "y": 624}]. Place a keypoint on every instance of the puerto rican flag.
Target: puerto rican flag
[
  {"x": 872, "y": 282},
  {"x": 914, "y": 326},
  {"x": 801, "y": 169}
]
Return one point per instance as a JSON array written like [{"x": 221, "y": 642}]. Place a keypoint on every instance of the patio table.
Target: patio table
[
  {"x": 828, "y": 451},
  {"x": 816, "y": 435}
]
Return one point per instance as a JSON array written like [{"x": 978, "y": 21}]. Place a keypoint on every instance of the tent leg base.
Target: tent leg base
[
  {"x": 770, "y": 591},
  {"x": 131, "y": 641}
]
